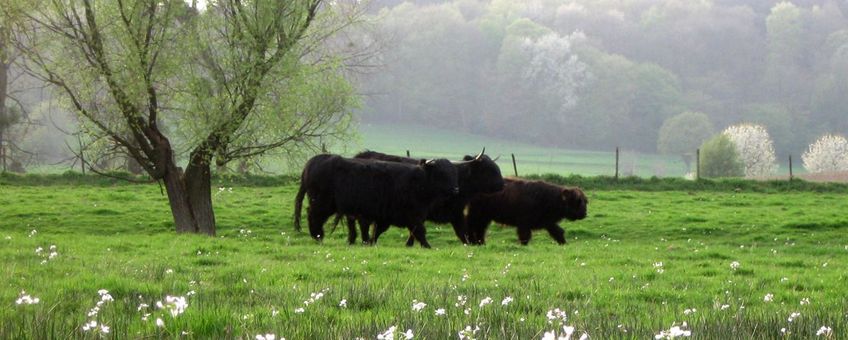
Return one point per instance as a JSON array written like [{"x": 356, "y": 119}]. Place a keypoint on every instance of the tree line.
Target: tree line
[{"x": 600, "y": 74}]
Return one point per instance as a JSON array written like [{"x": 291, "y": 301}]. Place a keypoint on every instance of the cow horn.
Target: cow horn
[
  {"x": 477, "y": 158},
  {"x": 496, "y": 158}
]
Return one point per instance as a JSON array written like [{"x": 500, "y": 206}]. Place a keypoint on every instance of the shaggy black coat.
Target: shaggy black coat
[
  {"x": 476, "y": 175},
  {"x": 384, "y": 192},
  {"x": 527, "y": 205}
]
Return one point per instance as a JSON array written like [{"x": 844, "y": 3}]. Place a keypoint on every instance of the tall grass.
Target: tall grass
[{"x": 120, "y": 238}]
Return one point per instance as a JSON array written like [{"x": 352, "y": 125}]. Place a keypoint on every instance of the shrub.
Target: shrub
[{"x": 719, "y": 158}]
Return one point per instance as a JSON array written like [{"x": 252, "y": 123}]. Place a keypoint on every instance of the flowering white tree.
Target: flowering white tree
[
  {"x": 828, "y": 153},
  {"x": 553, "y": 69},
  {"x": 755, "y": 148}
]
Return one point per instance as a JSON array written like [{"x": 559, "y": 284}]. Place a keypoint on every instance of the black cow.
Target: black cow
[
  {"x": 527, "y": 205},
  {"x": 476, "y": 175},
  {"x": 384, "y": 192}
]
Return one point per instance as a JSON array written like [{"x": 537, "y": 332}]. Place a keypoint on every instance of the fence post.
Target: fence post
[
  {"x": 790, "y": 168},
  {"x": 407, "y": 154},
  {"x": 697, "y": 164},
  {"x": 514, "y": 167},
  {"x": 616, "y": 163}
]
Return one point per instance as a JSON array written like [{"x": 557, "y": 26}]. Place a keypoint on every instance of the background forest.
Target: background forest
[
  {"x": 648, "y": 76},
  {"x": 594, "y": 75}
]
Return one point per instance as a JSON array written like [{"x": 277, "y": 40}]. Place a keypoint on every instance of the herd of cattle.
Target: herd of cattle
[{"x": 385, "y": 190}]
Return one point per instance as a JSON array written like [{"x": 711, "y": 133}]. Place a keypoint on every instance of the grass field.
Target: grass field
[
  {"x": 531, "y": 159},
  {"x": 256, "y": 275}
]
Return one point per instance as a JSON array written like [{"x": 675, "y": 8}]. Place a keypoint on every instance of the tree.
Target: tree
[
  {"x": 719, "y": 158},
  {"x": 9, "y": 115},
  {"x": 166, "y": 83},
  {"x": 683, "y": 133},
  {"x": 539, "y": 82},
  {"x": 784, "y": 26},
  {"x": 783, "y": 126},
  {"x": 828, "y": 153},
  {"x": 754, "y": 147}
]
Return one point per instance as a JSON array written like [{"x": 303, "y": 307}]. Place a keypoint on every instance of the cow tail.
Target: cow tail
[{"x": 298, "y": 205}]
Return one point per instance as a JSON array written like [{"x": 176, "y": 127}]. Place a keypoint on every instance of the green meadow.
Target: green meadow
[
  {"x": 640, "y": 263},
  {"x": 530, "y": 159}
]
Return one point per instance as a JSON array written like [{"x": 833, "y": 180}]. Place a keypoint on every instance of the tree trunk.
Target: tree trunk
[
  {"x": 198, "y": 180},
  {"x": 4, "y": 83},
  {"x": 190, "y": 198},
  {"x": 2, "y": 146}
]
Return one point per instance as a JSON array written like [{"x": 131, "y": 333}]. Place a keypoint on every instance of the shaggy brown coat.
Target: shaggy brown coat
[{"x": 527, "y": 205}]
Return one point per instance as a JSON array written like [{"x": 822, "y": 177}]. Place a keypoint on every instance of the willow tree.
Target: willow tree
[{"x": 179, "y": 89}]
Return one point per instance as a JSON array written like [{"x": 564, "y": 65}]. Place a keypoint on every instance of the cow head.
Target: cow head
[
  {"x": 480, "y": 175},
  {"x": 441, "y": 176},
  {"x": 574, "y": 203}
]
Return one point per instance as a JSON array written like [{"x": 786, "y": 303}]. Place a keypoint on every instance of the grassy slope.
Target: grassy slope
[
  {"x": 120, "y": 239},
  {"x": 531, "y": 159}
]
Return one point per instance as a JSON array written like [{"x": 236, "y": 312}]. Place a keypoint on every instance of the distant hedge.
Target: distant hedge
[
  {"x": 681, "y": 184},
  {"x": 123, "y": 178},
  {"x": 586, "y": 182}
]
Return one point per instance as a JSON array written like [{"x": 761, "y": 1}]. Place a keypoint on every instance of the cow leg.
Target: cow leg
[
  {"x": 421, "y": 235},
  {"x": 476, "y": 227},
  {"x": 381, "y": 228},
  {"x": 351, "y": 230},
  {"x": 364, "y": 226},
  {"x": 410, "y": 241},
  {"x": 524, "y": 235},
  {"x": 459, "y": 227},
  {"x": 557, "y": 233}
]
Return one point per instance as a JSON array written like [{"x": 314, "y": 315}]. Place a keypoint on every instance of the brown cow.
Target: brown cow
[{"x": 527, "y": 205}]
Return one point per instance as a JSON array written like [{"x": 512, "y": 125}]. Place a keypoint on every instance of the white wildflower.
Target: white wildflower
[
  {"x": 440, "y": 312},
  {"x": 389, "y": 334},
  {"x": 824, "y": 330},
  {"x": 769, "y": 297},
  {"x": 25, "y": 299},
  {"x": 734, "y": 265},
  {"x": 674, "y": 332},
  {"x": 175, "y": 305},
  {"x": 793, "y": 316},
  {"x": 461, "y": 300},
  {"x": 89, "y": 326},
  {"x": 418, "y": 306},
  {"x": 468, "y": 333},
  {"x": 485, "y": 301},
  {"x": 506, "y": 301}
]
